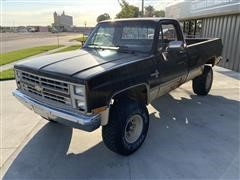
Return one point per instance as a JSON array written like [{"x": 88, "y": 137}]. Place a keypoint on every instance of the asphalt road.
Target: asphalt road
[
  {"x": 190, "y": 137},
  {"x": 16, "y": 41}
]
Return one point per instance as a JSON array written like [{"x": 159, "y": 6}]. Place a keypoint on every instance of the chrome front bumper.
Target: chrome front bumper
[{"x": 76, "y": 120}]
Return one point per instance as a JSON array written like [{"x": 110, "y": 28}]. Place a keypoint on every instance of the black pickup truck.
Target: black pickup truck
[{"x": 122, "y": 67}]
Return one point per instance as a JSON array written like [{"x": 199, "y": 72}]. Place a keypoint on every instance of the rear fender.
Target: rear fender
[{"x": 214, "y": 60}]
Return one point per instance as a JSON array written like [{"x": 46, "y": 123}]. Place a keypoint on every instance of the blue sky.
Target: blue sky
[{"x": 39, "y": 12}]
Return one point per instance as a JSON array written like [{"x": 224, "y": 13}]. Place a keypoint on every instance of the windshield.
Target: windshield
[{"x": 127, "y": 36}]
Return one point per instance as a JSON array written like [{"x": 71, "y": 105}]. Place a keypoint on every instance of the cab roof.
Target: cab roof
[{"x": 154, "y": 19}]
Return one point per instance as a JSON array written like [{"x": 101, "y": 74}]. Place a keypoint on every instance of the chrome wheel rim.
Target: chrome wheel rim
[{"x": 133, "y": 129}]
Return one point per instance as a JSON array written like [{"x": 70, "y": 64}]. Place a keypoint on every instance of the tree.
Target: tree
[
  {"x": 149, "y": 11},
  {"x": 103, "y": 17},
  {"x": 159, "y": 13},
  {"x": 127, "y": 11}
]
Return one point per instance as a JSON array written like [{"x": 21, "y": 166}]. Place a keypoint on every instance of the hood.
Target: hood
[{"x": 74, "y": 62}]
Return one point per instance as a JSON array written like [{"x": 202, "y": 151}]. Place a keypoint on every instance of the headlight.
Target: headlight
[
  {"x": 81, "y": 104},
  {"x": 18, "y": 74},
  {"x": 17, "y": 77},
  {"x": 79, "y": 97},
  {"x": 79, "y": 90}
]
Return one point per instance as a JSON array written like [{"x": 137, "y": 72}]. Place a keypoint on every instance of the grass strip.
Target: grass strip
[
  {"x": 70, "y": 48},
  {"x": 80, "y": 39},
  {"x": 7, "y": 74},
  {"x": 9, "y": 57}
]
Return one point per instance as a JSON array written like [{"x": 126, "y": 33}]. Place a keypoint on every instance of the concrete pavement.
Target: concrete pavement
[
  {"x": 190, "y": 137},
  {"x": 22, "y": 40}
]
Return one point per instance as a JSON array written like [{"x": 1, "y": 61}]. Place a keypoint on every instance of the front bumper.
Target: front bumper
[{"x": 75, "y": 120}]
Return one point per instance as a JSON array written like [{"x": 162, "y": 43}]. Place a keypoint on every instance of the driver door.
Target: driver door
[{"x": 172, "y": 59}]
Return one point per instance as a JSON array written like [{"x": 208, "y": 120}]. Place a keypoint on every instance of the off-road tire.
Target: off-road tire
[
  {"x": 202, "y": 84},
  {"x": 113, "y": 133}
]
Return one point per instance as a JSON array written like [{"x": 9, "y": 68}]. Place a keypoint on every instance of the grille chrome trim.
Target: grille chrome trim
[
  {"x": 45, "y": 87},
  {"x": 47, "y": 82}
]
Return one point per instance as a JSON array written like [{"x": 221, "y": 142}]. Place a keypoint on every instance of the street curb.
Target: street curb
[{"x": 7, "y": 79}]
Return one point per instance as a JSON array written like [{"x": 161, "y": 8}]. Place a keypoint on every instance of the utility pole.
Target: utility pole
[
  {"x": 57, "y": 39},
  {"x": 142, "y": 8},
  {"x": 13, "y": 28},
  {"x": 84, "y": 31}
]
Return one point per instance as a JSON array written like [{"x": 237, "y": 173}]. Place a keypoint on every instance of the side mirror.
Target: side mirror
[
  {"x": 175, "y": 45},
  {"x": 172, "y": 45}
]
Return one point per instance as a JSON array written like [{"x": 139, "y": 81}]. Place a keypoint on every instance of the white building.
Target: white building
[
  {"x": 212, "y": 18},
  {"x": 62, "y": 22}
]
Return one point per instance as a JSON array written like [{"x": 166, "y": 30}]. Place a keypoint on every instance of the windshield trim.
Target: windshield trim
[{"x": 122, "y": 23}]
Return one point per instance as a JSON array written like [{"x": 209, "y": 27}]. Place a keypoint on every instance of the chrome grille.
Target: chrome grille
[{"x": 46, "y": 88}]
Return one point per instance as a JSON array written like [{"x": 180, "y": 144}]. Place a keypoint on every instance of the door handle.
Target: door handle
[{"x": 181, "y": 52}]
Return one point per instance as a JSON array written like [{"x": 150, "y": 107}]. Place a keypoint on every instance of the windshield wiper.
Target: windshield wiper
[
  {"x": 120, "y": 48},
  {"x": 94, "y": 45},
  {"x": 126, "y": 49}
]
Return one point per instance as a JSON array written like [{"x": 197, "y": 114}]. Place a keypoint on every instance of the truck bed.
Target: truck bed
[
  {"x": 203, "y": 51},
  {"x": 191, "y": 41}
]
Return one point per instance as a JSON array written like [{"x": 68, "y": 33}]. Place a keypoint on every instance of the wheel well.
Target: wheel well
[
  {"x": 138, "y": 93},
  {"x": 211, "y": 61}
]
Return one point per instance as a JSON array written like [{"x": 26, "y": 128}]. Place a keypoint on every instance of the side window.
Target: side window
[{"x": 167, "y": 34}]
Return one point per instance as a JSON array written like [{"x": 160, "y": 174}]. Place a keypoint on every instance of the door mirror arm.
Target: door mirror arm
[
  {"x": 173, "y": 45},
  {"x": 164, "y": 53}
]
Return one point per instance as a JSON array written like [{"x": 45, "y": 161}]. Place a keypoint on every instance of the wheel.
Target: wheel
[
  {"x": 203, "y": 83},
  {"x": 127, "y": 127}
]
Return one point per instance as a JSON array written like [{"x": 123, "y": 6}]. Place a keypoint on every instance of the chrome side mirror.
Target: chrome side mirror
[{"x": 175, "y": 45}]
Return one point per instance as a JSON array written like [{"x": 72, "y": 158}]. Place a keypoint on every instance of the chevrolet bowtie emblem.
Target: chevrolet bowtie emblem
[
  {"x": 38, "y": 88},
  {"x": 155, "y": 74}
]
